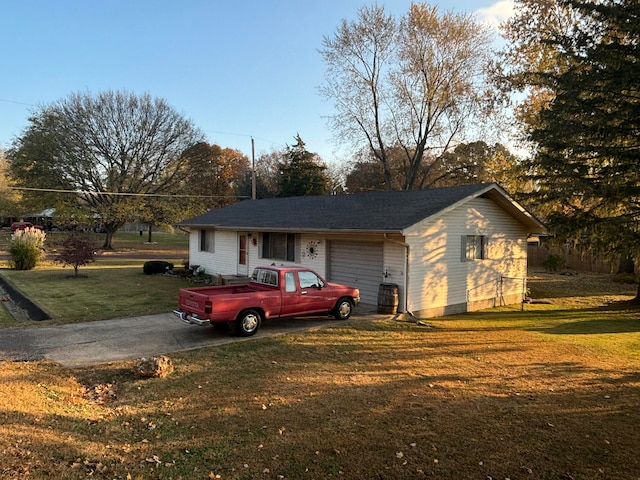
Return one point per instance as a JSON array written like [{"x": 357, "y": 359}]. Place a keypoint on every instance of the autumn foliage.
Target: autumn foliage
[{"x": 76, "y": 251}]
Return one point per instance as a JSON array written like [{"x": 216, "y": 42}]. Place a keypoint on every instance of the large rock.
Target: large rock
[{"x": 153, "y": 367}]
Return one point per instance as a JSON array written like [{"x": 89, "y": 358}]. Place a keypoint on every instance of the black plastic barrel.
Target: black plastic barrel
[{"x": 388, "y": 298}]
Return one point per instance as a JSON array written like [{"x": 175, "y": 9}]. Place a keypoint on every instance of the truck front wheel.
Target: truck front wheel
[
  {"x": 248, "y": 323},
  {"x": 343, "y": 309}
]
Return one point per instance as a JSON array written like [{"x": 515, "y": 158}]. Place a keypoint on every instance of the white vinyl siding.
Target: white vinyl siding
[
  {"x": 357, "y": 264},
  {"x": 438, "y": 277},
  {"x": 225, "y": 258}
]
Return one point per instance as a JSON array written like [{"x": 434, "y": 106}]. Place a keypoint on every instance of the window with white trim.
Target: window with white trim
[
  {"x": 279, "y": 246},
  {"x": 206, "y": 240},
  {"x": 474, "y": 247}
]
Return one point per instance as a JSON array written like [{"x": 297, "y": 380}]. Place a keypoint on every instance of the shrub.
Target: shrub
[
  {"x": 26, "y": 249},
  {"x": 626, "y": 278},
  {"x": 553, "y": 262},
  {"x": 156, "y": 266}
]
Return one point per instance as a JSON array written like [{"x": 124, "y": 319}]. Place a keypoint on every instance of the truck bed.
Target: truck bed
[{"x": 229, "y": 289}]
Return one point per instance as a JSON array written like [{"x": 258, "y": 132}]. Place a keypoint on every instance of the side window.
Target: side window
[
  {"x": 206, "y": 240},
  {"x": 309, "y": 280},
  {"x": 266, "y": 277},
  {"x": 473, "y": 247},
  {"x": 290, "y": 282}
]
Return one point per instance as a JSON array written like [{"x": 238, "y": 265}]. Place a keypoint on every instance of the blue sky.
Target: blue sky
[{"x": 238, "y": 69}]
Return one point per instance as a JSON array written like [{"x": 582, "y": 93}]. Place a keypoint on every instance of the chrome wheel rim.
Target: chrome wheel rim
[
  {"x": 249, "y": 323},
  {"x": 345, "y": 309}
]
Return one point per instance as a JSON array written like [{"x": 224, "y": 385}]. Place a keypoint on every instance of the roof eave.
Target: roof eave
[{"x": 246, "y": 228}]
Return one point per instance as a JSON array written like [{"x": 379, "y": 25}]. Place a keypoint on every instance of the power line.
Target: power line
[
  {"x": 17, "y": 103},
  {"x": 123, "y": 194}
]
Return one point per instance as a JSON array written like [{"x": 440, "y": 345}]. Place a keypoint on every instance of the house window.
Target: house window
[
  {"x": 474, "y": 247},
  {"x": 206, "y": 240},
  {"x": 279, "y": 246}
]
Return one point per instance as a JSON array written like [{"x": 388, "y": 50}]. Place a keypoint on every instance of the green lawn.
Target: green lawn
[
  {"x": 165, "y": 243},
  {"x": 114, "y": 286},
  {"x": 103, "y": 290}
]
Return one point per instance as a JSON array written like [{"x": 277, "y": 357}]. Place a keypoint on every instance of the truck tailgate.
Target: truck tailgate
[{"x": 193, "y": 302}]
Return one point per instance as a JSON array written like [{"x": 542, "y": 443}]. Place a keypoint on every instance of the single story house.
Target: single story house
[{"x": 448, "y": 250}]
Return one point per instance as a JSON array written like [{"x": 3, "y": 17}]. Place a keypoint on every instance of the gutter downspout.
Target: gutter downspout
[{"x": 406, "y": 268}]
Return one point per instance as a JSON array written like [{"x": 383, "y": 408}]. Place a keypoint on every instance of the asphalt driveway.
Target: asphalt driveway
[{"x": 92, "y": 343}]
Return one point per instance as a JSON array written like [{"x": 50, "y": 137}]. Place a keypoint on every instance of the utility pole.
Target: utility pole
[{"x": 253, "y": 170}]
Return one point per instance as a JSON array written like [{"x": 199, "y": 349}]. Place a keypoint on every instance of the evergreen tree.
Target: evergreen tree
[
  {"x": 587, "y": 131},
  {"x": 302, "y": 173}
]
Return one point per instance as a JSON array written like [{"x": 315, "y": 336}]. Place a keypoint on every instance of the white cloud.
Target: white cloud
[{"x": 495, "y": 14}]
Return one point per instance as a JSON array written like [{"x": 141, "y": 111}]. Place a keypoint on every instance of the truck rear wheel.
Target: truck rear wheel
[
  {"x": 343, "y": 309},
  {"x": 248, "y": 323}
]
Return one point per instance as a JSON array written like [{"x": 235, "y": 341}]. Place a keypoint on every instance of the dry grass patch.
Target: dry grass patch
[{"x": 495, "y": 395}]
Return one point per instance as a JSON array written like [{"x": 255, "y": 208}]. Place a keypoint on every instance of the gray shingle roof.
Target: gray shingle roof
[{"x": 380, "y": 211}]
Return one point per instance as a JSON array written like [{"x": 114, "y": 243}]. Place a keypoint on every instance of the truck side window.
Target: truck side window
[
  {"x": 290, "y": 282},
  {"x": 266, "y": 277},
  {"x": 308, "y": 280}
]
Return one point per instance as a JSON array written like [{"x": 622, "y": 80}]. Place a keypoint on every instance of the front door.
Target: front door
[{"x": 243, "y": 243}]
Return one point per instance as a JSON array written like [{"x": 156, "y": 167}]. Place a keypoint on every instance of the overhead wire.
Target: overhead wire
[{"x": 124, "y": 194}]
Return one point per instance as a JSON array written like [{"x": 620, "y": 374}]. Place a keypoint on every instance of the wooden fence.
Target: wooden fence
[{"x": 573, "y": 259}]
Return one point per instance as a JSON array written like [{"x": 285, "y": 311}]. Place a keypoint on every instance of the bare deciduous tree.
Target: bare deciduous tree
[
  {"x": 411, "y": 84},
  {"x": 107, "y": 148}
]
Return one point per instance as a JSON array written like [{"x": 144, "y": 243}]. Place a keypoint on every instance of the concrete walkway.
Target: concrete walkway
[{"x": 92, "y": 343}]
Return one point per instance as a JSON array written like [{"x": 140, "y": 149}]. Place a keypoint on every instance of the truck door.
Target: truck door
[
  {"x": 312, "y": 298},
  {"x": 290, "y": 295}
]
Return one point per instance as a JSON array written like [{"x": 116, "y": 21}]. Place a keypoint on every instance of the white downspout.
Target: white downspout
[{"x": 406, "y": 269}]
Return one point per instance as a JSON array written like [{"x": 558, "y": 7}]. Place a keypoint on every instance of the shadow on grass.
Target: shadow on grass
[
  {"x": 593, "y": 327},
  {"x": 617, "y": 317}
]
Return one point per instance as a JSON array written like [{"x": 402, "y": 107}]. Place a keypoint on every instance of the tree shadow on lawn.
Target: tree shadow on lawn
[
  {"x": 593, "y": 327},
  {"x": 618, "y": 317},
  {"x": 558, "y": 285}
]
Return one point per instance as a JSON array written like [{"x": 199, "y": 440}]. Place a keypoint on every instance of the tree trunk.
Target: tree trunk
[
  {"x": 636, "y": 301},
  {"x": 626, "y": 264},
  {"x": 150, "y": 228},
  {"x": 107, "y": 240}
]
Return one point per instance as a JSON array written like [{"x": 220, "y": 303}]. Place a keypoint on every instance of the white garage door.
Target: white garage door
[{"x": 358, "y": 265}]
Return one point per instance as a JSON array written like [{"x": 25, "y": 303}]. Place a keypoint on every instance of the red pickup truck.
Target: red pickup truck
[{"x": 273, "y": 292}]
